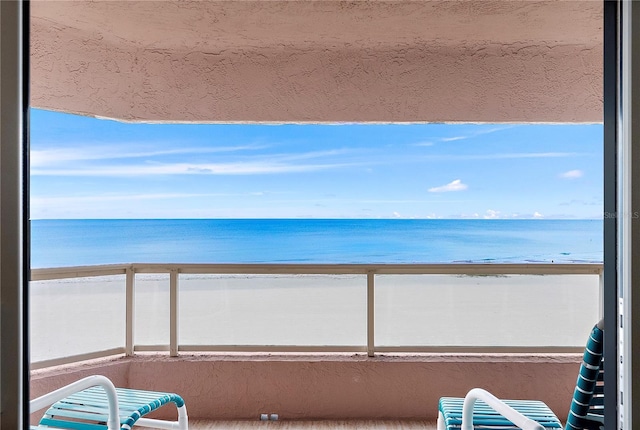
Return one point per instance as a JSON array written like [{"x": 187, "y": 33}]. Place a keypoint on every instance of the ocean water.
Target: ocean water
[{"x": 58, "y": 243}]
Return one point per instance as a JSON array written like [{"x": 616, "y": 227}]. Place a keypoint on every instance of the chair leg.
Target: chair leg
[
  {"x": 183, "y": 420},
  {"x": 441, "y": 424}
]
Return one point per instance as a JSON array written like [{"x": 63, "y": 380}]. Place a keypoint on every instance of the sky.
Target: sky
[{"x": 85, "y": 167}]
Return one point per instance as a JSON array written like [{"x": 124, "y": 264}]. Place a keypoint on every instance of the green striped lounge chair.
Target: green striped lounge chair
[
  {"x": 94, "y": 403},
  {"x": 481, "y": 410}
]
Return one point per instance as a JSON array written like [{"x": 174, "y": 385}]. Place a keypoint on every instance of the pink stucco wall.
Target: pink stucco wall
[
  {"x": 330, "y": 386},
  {"x": 299, "y": 61}
]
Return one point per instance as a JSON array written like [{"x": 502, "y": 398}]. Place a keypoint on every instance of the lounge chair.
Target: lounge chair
[
  {"x": 95, "y": 403},
  {"x": 483, "y": 410}
]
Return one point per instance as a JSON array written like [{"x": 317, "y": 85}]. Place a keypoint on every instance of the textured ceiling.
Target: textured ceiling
[{"x": 279, "y": 61}]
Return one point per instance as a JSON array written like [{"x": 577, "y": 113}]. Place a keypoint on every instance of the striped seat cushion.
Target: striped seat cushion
[
  {"x": 486, "y": 418},
  {"x": 587, "y": 404},
  {"x": 88, "y": 409}
]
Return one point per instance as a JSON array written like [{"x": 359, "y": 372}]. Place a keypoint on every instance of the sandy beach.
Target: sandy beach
[{"x": 77, "y": 316}]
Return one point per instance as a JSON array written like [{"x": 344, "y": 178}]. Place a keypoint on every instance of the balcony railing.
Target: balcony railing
[{"x": 88, "y": 312}]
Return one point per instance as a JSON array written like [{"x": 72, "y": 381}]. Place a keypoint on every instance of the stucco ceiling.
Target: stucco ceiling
[{"x": 278, "y": 61}]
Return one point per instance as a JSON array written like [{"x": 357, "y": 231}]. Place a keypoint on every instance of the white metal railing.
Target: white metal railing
[{"x": 370, "y": 271}]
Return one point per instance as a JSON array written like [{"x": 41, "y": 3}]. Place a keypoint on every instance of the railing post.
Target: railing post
[
  {"x": 173, "y": 313},
  {"x": 371, "y": 348},
  {"x": 130, "y": 310}
]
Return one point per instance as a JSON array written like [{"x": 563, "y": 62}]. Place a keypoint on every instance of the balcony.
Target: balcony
[{"x": 316, "y": 342}]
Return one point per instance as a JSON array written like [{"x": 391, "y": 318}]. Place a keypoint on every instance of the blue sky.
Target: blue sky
[{"x": 90, "y": 168}]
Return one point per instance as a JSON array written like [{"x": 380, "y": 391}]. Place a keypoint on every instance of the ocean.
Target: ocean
[{"x": 61, "y": 243}]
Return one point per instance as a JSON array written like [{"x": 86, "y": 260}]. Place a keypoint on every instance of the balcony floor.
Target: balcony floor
[{"x": 315, "y": 425}]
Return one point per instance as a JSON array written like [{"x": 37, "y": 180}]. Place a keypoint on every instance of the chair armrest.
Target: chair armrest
[
  {"x": 113, "y": 422},
  {"x": 497, "y": 405}
]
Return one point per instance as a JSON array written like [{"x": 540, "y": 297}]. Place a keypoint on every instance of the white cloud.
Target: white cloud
[
  {"x": 525, "y": 155},
  {"x": 456, "y": 185},
  {"x": 122, "y": 205},
  {"x": 240, "y": 168},
  {"x": 476, "y": 133},
  {"x": 501, "y": 156},
  {"x": 310, "y": 155},
  {"x": 86, "y": 152},
  {"x": 517, "y": 155},
  {"x": 93, "y": 198},
  {"x": 397, "y": 215},
  {"x": 491, "y": 214},
  {"x": 596, "y": 201},
  {"x": 101, "y": 161},
  {"x": 572, "y": 174},
  {"x": 496, "y": 214}
]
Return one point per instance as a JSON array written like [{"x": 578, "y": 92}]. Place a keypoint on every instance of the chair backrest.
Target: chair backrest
[{"x": 587, "y": 408}]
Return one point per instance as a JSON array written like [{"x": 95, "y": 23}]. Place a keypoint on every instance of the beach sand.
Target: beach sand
[{"x": 77, "y": 316}]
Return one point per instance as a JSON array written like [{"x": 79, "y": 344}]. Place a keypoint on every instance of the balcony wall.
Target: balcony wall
[{"x": 304, "y": 387}]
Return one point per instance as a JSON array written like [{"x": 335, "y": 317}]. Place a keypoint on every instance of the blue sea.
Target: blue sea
[{"x": 58, "y": 243}]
